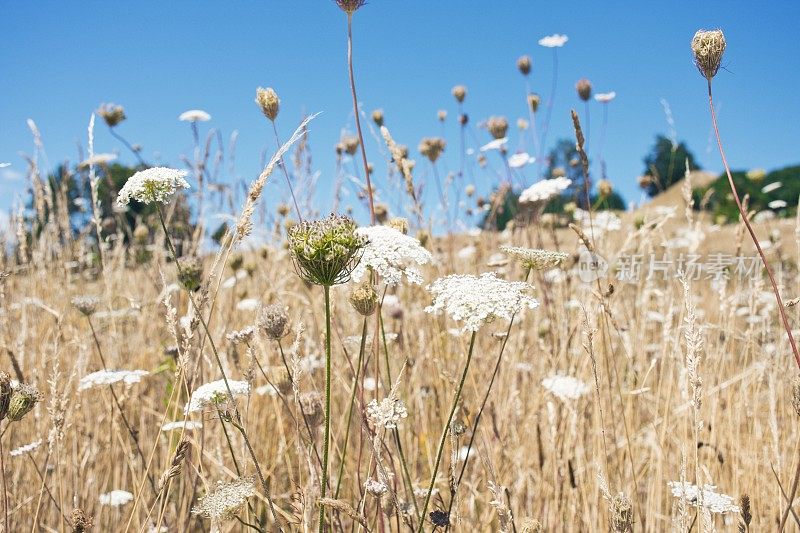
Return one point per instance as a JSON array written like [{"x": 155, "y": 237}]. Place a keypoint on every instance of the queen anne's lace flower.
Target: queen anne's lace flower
[
  {"x": 151, "y": 185},
  {"x": 712, "y": 500},
  {"x": 565, "y": 387},
  {"x": 520, "y": 160},
  {"x": 22, "y": 450},
  {"x": 544, "y": 190},
  {"x": 476, "y": 300},
  {"x": 387, "y": 413},
  {"x": 534, "y": 259},
  {"x": 116, "y": 498},
  {"x": 604, "y": 98},
  {"x": 391, "y": 254},
  {"x": 108, "y": 377},
  {"x": 225, "y": 500},
  {"x": 553, "y": 41},
  {"x": 215, "y": 393},
  {"x": 601, "y": 221},
  {"x": 494, "y": 145},
  {"x": 194, "y": 115}
]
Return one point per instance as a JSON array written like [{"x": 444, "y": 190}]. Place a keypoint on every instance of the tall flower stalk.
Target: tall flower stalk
[{"x": 325, "y": 252}]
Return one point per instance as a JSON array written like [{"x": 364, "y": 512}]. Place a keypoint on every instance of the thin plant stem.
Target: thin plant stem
[
  {"x": 445, "y": 431},
  {"x": 350, "y": 409},
  {"x": 128, "y": 145},
  {"x": 326, "y": 443},
  {"x": 781, "y": 309},
  {"x": 546, "y": 127},
  {"x": 286, "y": 172},
  {"x": 357, "y": 116},
  {"x": 5, "y": 487}
]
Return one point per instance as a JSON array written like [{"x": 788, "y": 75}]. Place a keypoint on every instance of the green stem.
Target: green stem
[
  {"x": 350, "y": 409},
  {"x": 445, "y": 432},
  {"x": 326, "y": 443}
]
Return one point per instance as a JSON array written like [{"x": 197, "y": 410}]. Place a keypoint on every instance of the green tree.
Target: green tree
[{"x": 665, "y": 164}]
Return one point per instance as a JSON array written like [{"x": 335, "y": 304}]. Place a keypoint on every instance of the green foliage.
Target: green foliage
[
  {"x": 720, "y": 201},
  {"x": 666, "y": 164}
]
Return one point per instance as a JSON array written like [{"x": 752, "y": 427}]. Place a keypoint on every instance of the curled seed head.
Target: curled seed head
[
  {"x": 81, "y": 522},
  {"x": 5, "y": 394},
  {"x": 23, "y": 400},
  {"x": 707, "y": 48},
  {"x": 584, "y": 88},
  {"x": 273, "y": 321},
  {"x": 267, "y": 99},
  {"x": 87, "y": 305},
  {"x": 533, "y": 101},
  {"x": 364, "y": 299},
  {"x": 497, "y": 126},
  {"x": 459, "y": 93},
  {"x": 191, "y": 273},
  {"x": 524, "y": 65},
  {"x": 377, "y": 117},
  {"x": 350, "y": 6}
]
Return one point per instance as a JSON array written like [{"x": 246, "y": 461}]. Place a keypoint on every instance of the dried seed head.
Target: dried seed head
[
  {"x": 23, "y": 400},
  {"x": 497, "y": 126},
  {"x": 621, "y": 514},
  {"x": 273, "y": 321},
  {"x": 440, "y": 518},
  {"x": 533, "y": 101},
  {"x": 350, "y": 6},
  {"x": 350, "y": 144},
  {"x": 747, "y": 512},
  {"x": 400, "y": 224},
  {"x": 524, "y": 65},
  {"x": 267, "y": 99},
  {"x": 311, "y": 405},
  {"x": 81, "y": 522},
  {"x": 87, "y": 305},
  {"x": 5, "y": 393},
  {"x": 112, "y": 114},
  {"x": 432, "y": 147},
  {"x": 364, "y": 299},
  {"x": 584, "y": 88},
  {"x": 469, "y": 190},
  {"x": 707, "y": 48},
  {"x": 522, "y": 124},
  {"x": 141, "y": 234},
  {"x": 441, "y": 115},
  {"x": 531, "y": 525},
  {"x": 796, "y": 395},
  {"x": 381, "y": 213},
  {"x": 377, "y": 117},
  {"x": 604, "y": 188},
  {"x": 190, "y": 273},
  {"x": 284, "y": 209},
  {"x": 463, "y": 119},
  {"x": 459, "y": 93}
]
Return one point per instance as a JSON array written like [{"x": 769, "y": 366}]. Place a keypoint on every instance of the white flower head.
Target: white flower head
[
  {"x": 476, "y": 300},
  {"x": 375, "y": 487},
  {"x": 520, "y": 160},
  {"x": 108, "y": 377},
  {"x": 391, "y": 254},
  {"x": 553, "y": 41},
  {"x": 26, "y": 449},
  {"x": 774, "y": 186},
  {"x": 712, "y": 500},
  {"x": 188, "y": 425},
  {"x": 151, "y": 185},
  {"x": 534, "y": 259},
  {"x": 4, "y": 165},
  {"x": 226, "y": 500},
  {"x": 600, "y": 222},
  {"x": 565, "y": 387},
  {"x": 494, "y": 145},
  {"x": 777, "y": 204},
  {"x": 215, "y": 393},
  {"x": 194, "y": 115},
  {"x": 544, "y": 190},
  {"x": 116, "y": 498},
  {"x": 387, "y": 413},
  {"x": 604, "y": 98}
]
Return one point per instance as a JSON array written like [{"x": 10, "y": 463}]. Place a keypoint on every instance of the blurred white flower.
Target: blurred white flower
[
  {"x": 763, "y": 216},
  {"x": 156, "y": 184},
  {"x": 4, "y": 165},
  {"x": 22, "y": 450},
  {"x": 248, "y": 304},
  {"x": 97, "y": 159},
  {"x": 775, "y": 185},
  {"x": 600, "y": 222},
  {"x": 107, "y": 377},
  {"x": 391, "y": 254},
  {"x": 777, "y": 204},
  {"x": 467, "y": 252},
  {"x": 194, "y": 115},
  {"x": 565, "y": 387},
  {"x": 712, "y": 500},
  {"x": 553, "y": 41},
  {"x": 215, "y": 393},
  {"x": 387, "y": 413},
  {"x": 520, "y": 160},
  {"x": 604, "y": 98},
  {"x": 182, "y": 424},
  {"x": 544, "y": 190},
  {"x": 116, "y": 498},
  {"x": 225, "y": 501},
  {"x": 494, "y": 145},
  {"x": 476, "y": 300}
]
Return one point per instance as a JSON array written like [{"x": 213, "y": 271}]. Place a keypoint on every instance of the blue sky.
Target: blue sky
[{"x": 59, "y": 60}]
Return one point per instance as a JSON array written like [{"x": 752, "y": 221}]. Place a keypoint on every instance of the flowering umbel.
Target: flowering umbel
[
  {"x": 151, "y": 185},
  {"x": 23, "y": 400},
  {"x": 112, "y": 114},
  {"x": 707, "y": 48},
  {"x": 326, "y": 251},
  {"x": 350, "y": 6}
]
